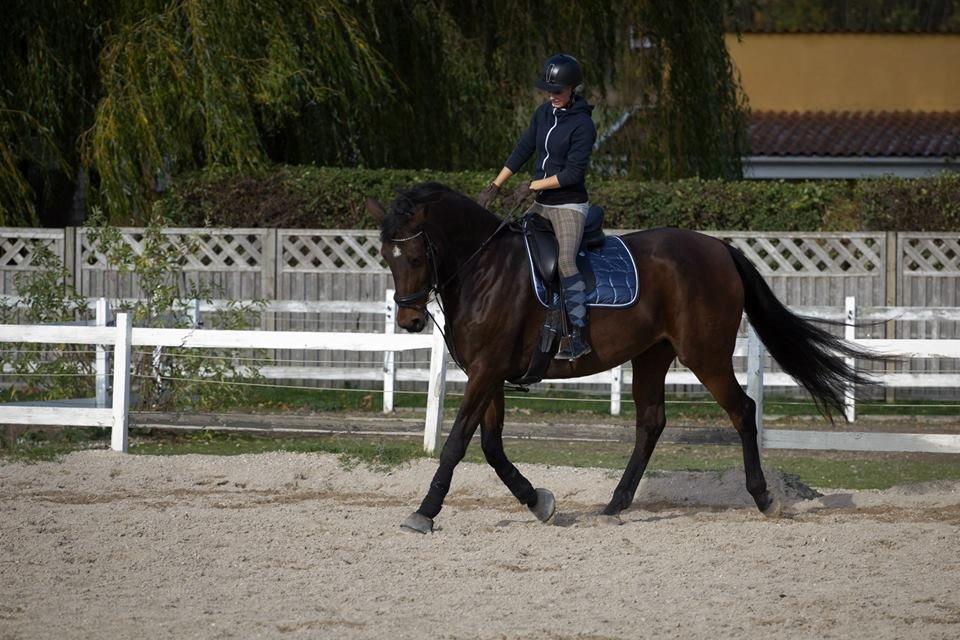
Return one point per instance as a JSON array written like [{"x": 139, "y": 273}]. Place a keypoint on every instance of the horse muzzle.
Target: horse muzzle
[{"x": 413, "y": 320}]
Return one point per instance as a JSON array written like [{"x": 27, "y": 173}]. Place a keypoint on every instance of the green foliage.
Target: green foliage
[
  {"x": 191, "y": 376},
  {"x": 178, "y": 377},
  {"x": 919, "y": 205},
  {"x": 107, "y": 101},
  {"x": 49, "y": 89},
  {"x": 693, "y": 120},
  {"x": 296, "y": 197},
  {"x": 716, "y": 204},
  {"x": 332, "y": 198},
  {"x": 48, "y": 300},
  {"x": 193, "y": 83}
]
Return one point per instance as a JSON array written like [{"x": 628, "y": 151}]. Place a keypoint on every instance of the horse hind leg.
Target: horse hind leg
[
  {"x": 725, "y": 389},
  {"x": 649, "y": 371}
]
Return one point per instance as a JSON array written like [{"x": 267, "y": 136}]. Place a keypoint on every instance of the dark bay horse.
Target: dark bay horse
[{"x": 693, "y": 291}]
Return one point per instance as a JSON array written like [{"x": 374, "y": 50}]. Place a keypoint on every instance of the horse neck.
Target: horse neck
[{"x": 463, "y": 235}]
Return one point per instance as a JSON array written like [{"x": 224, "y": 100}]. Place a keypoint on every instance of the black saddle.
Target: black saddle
[
  {"x": 544, "y": 248},
  {"x": 545, "y": 254}
]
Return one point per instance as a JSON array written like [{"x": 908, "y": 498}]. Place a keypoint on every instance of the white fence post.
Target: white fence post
[
  {"x": 615, "y": 385},
  {"x": 121, "y": 383},
  {"x": 196, "y": 320},
  {"x": 389, "y": 358},
  {"x": 755, "y": 377},
  {"x": 102, "y": 358},
  {"x": 436, "y": 387},
  {"x": 850, "y": 334}
]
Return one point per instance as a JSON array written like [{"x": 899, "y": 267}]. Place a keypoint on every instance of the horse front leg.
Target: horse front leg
[
  {"x": 540, "y": 501},
  {"x": 480, "y": 389}
]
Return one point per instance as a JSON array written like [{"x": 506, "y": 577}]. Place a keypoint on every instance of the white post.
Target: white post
[
  {"x": 850, "y": 334},
  {"x": 121, "y": 383},
  {"x": 755, "y": 377},
  {"x": 615, "y": 390},
  {"x": 157, "y": 361},
  {"x": 102, "y": 358},
  {"x": 389, "y": 360},
  {"x": 195, "y": 319},
  {"x": 436, "y": 388}
]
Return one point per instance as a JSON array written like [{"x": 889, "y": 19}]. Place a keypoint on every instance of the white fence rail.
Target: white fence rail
[
  {"x": 123, "y": 337},
  {"x": 389, "y": 374}
]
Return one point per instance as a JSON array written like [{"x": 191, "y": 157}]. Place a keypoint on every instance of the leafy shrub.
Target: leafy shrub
[
  {"x": 174, "y": 377},
  {"x": 931, "y": 204},
  {"x": 322, "y": 197}
]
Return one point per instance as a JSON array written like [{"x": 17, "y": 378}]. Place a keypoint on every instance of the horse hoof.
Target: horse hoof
[
  {"x": 612, "y": 509},
  {"x": 545, "y": 507},
  {"x": 770, "y": 505},
  {"x": 416, "y": 522}
]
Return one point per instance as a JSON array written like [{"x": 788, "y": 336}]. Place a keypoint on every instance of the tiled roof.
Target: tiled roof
[
  {"x": 948, "y": 28},
  {"x": 865, "y": 134}
]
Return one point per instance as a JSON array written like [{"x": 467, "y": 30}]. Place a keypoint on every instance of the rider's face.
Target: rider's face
[{"x": 560, "y": 99}]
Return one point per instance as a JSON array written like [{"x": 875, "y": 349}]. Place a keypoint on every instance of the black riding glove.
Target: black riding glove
[
  {"x": 518, "y": 197},
  {"x": 488, "y": 195}
]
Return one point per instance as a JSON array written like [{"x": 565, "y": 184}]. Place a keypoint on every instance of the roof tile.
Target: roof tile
[{"x": 855, "y": 133}]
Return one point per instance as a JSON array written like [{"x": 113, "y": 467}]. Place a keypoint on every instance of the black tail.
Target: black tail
[{"x": 812, "y": 356}]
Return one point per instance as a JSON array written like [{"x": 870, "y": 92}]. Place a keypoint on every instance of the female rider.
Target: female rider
[{"x": 562, "y": 133}]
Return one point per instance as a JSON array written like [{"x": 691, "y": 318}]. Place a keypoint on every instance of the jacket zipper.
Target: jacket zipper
[{"x": 543, "y": 165}]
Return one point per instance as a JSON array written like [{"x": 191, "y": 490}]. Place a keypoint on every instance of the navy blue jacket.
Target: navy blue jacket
[{"x": 562, "y": 140}]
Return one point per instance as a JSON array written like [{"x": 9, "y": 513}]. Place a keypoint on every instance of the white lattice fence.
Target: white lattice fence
[
  {"x": 929, "y": 254},
  {"x": 808, "y": 254},
  {"x": 201, "y": 249},
  {"x": 352, "y": 251},
  {"x": 928, "y": 275},
  {"x": 18, "y": 247}
]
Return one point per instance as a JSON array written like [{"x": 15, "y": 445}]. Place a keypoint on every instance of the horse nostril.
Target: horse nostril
[{"x": 417, "y": 325}]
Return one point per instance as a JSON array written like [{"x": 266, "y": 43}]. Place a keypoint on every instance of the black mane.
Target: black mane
[{"x": 407, "y": 201}]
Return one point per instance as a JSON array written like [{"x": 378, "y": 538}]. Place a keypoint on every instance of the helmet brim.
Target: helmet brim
[{"x": 550, "y": 86}]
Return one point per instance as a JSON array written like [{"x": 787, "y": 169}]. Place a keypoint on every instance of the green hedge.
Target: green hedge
[{"x": 323, "y": 197}]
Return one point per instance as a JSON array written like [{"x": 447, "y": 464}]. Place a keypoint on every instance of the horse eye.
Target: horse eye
[{"x": 415, "y": 262}]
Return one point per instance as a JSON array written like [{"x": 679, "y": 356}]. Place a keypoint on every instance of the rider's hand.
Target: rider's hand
[
  {"x": 518, "y": 197},
  {"x": 488, "y": 195}
]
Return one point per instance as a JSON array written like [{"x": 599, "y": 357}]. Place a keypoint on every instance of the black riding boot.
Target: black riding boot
[
  {"x": 575, "y": 300},
  {"x": 576, "y": 346}
]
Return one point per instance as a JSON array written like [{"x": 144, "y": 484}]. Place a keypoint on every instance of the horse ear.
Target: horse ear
[{"x": 376, "y": 209}]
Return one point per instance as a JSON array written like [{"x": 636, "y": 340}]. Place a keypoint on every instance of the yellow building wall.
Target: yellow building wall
[{"x": 849, "y": 71}]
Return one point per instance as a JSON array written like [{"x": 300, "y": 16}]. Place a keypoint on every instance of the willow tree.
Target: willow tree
[
  {"x": 138, "y": 91},
  {"x": 48, "y": 92},
  {"x": 119, "y": 97},
  {"x": 192, "y": 84},
  {"x": 688, "y": 111}
]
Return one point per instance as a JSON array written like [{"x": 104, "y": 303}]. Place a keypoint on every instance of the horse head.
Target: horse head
[{"x": 411, "y": 256}]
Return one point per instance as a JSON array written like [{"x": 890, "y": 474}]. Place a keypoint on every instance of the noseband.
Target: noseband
[{"x": 413, "y": 300}]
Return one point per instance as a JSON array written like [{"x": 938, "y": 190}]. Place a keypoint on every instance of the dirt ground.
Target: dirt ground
[{"x": 104, "y": 545}]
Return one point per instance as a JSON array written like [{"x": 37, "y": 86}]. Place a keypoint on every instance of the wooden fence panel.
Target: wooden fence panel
[
  {"x": 803, "y": 269},
  {"x": 929, "y": 275}
]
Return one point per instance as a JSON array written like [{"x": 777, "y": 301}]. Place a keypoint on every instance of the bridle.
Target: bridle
[{"x": 412, "y": 300}]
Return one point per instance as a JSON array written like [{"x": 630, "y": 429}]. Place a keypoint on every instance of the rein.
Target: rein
[
  {"x": 483, "y": 245},
  {"x": 410, "y": 301}
]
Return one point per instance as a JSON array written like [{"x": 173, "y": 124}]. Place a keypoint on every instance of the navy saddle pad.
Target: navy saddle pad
[{"x": 613, "y": 268}]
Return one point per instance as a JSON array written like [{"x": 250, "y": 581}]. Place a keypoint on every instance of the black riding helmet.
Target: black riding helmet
[{"x": 559, "y": 72}]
